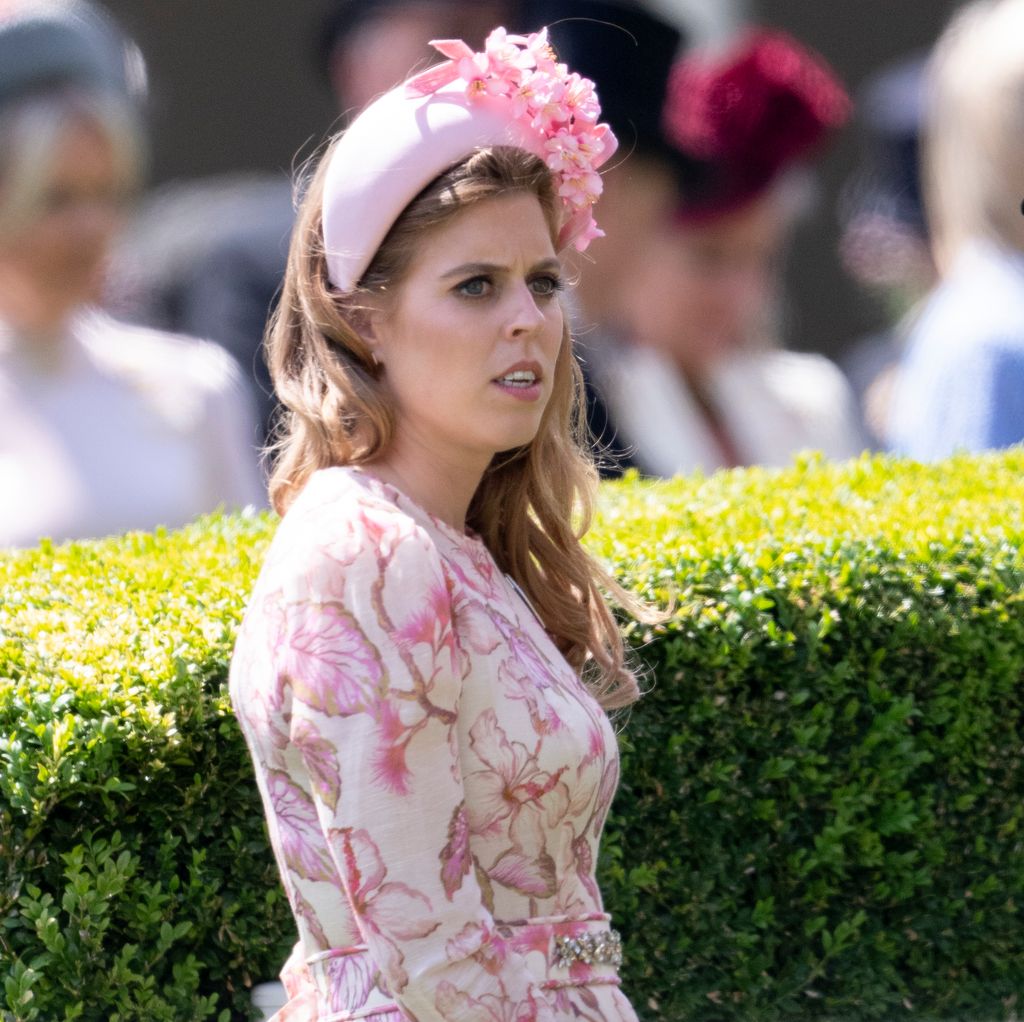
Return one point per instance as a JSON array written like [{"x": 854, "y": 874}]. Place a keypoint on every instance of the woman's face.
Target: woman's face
[
  {"x": 58, "y": 259},
  {"x": 470, "y": 338},
  {"x": 701, "y": 290}
]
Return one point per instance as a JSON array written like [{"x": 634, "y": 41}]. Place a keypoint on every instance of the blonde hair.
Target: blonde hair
[
  {"x": 974, "y": 129},
  {"x": 31, "y": 130},
  {"x": 533, "y": 504}
]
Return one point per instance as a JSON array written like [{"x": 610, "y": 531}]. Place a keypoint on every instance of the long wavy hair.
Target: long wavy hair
[{"x": 534, "y": 503}]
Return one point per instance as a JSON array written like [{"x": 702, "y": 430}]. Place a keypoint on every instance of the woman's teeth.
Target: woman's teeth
[{"x": 521, "y": 378}]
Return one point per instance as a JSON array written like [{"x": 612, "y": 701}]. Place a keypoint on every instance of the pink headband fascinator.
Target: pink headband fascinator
[{"x": 514, "y": 93}]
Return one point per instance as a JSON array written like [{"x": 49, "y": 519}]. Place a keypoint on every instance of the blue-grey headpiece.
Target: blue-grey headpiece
[{"x": 52, "y": 43}]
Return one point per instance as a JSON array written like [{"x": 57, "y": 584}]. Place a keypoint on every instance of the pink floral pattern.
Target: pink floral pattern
[{"x": 435, "y": 776}]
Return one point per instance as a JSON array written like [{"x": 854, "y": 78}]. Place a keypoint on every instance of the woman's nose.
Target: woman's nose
[{"x": 525, "y": 314}]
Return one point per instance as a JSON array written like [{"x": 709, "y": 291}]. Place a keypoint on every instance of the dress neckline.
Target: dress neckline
[
  {"x": 391, "y": 493},
  {"x": 468, "y": 540}
]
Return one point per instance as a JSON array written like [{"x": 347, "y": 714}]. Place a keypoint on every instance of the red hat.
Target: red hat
[{"x": 743, "y": 118}]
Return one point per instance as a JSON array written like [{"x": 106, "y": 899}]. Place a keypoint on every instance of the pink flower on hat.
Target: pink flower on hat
[
  {"x": 473, "y": 68},
  {"x": 581, "y": 99},
  {"x": 524, "y": 96},
  {"x": 581, "y": 189},
  {"x": 541, "y": 52},
  {"x": 549, "y": 110},
  {"x": 569, "y": 153},
  {"x": 560, "y": 107},
  {"x": 587, "y": 234},
  {"x": 563, "y": 153},
  {"x": 505, "y": 57}
]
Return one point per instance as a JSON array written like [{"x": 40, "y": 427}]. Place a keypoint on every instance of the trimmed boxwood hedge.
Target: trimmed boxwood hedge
[
  {"x": 821, "y": 813},
  {"x": 135, "y": 880},
  {"x": 823, "y": 796}
]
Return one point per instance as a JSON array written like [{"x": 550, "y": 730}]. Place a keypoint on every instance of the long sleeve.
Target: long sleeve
[{"x": 370, "y": 659}]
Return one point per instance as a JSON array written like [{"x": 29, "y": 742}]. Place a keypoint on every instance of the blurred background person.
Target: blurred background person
[
  {"x": 884, "y": 243},
  {"x": 228, "y": 288},
  {"x": 961, "y": 384},
  {"x": 628, "y": 52},
  {"x": 103, "y": 426},
  {"x": 701, "y": 384}
]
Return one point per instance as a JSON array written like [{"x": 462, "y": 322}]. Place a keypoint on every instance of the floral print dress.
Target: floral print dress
[{"x": 435, "y": 775}]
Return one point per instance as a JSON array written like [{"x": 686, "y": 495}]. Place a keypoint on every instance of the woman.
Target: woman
[
  {"x": 701, "y": 384},
  {"x": 103, "y": 427},
  {"x": 960, "y": 384},
  {"x": 424, "y": 666}
]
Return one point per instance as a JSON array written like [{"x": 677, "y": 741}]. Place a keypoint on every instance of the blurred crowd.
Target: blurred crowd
[{"x": 111, "y": 423}]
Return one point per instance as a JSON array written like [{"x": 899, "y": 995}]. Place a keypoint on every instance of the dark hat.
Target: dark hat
[
  {"x": 625, "y": 49},
  {"x": 747, "y": 116},
  {"x": 46, "y": 44}
]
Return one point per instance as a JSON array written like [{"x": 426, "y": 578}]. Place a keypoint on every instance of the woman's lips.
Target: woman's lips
[{"x": 523, "y": 381}]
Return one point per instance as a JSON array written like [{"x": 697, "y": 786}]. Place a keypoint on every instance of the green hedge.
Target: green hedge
[
  {"x": 821, "y": 813},
  {"x": 135, "y": 879},
  {"x": 824, "y": 790}
]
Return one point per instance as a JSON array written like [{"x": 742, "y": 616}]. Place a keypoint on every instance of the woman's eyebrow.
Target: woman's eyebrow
[{"x": 470, "y": 269}]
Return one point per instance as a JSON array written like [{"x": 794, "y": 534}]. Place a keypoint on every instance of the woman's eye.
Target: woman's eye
[
  {"x": 476, "y": 287},
  {"x": 546, "y": 286}
]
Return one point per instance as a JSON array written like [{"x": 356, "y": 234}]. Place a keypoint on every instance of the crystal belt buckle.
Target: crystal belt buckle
[{"x": 590, "y": 949}]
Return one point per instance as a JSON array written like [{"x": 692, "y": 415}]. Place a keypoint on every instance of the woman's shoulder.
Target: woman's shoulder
[
  {"x": 184, "y": 379},
  {"x": 131, "y": 350},
  {"x": 340, "y": 524}
]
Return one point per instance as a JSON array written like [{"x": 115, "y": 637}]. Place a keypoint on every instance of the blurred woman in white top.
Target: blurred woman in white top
[
  {"x": 104, "y": 427},
  {"x": 702, "y": 384}
]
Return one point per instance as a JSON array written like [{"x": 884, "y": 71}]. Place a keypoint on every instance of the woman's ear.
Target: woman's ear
[{"x": 367, "y": 319}]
